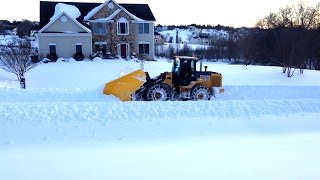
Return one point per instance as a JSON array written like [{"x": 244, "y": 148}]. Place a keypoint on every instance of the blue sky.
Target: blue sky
[{"x": 225, "y": 12}]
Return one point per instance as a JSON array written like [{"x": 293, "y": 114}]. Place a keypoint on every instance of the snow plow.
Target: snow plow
[{"x": 184, "y": 82}]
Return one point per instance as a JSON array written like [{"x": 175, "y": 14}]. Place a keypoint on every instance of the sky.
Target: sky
[{"x": 179, "y": 12}]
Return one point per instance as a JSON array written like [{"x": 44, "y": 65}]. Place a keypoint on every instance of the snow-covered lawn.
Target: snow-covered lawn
[{"x": 265, "y": 126}]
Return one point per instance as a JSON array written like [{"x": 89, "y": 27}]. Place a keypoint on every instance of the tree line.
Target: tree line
[
  {"x": 22, "y": 27},
  {"x": 289, "y": 38}
]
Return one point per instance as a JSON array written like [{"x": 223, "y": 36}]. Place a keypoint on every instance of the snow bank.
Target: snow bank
[{"x": 71, "y": 10}]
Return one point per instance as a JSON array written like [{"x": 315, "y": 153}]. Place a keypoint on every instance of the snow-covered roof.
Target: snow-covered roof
[
  {"x": 47, "y": 9},
  {"x": 96, "y": 9},
  {"x": 71, "y": 10},
  {"x": 92, "y": 12},
  {"x": 108, "y": 18}
]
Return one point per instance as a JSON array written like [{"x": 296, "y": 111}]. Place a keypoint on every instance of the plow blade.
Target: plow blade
[{"x": 126, "y": 85}]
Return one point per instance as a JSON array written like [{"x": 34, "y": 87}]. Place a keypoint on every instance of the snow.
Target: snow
[
  {"x": 186, "y": 35},
  {"x": 71, "y": 10},
  {"x": 265, "y": 126},
  {"x": 8, "y": 39},
  {"x": 92, "y": 12}
]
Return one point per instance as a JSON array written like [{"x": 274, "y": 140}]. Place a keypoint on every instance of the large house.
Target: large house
[{"x": 108, "y": 28}]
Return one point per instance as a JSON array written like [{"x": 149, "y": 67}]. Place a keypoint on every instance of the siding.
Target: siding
[
  {"x": 145, "y": 38},
  {"x": 65, "y": 44},
  {"x": 59, "y": 26}
]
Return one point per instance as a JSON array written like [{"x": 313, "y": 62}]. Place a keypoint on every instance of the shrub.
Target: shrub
[
  {"x": 53, "y": 57},
  {"x": 78, "y": 56}
]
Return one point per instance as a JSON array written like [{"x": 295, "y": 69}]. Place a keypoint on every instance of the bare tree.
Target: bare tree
[
  {"x": 15, "y": 57},
  {"x": 300, "y": 15},
  {"x": 293, "y": 28},
  {"x": 269, "y": 21}
]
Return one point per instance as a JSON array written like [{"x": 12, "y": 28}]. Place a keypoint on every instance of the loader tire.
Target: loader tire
[
  {"x": 159, "y": 92},
  {"x": 200, "y": 93}
]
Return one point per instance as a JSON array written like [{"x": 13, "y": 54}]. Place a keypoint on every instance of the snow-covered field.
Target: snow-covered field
[{"x": 265, "y": 126}]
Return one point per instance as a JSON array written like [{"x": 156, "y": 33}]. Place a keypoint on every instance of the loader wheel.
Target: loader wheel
[
  {"x": 159, "y": 92},
  {"x": 200, "y": 93}
]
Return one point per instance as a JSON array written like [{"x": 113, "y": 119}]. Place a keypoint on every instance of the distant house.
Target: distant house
[
  {"x": 158, "y": 39},
  {"x": 34, "y": 30},
  {"x": 118, "y": 29},
  {"x": 202, "y": 39}
]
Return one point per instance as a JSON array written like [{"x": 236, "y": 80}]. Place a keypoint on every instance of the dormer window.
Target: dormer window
[{"x": 123, "y": 26}]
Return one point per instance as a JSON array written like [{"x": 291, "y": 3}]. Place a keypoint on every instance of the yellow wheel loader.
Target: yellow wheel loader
[{"x": 184, "y": 82}]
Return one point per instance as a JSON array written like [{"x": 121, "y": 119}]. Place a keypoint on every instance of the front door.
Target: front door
[{"x": 123, "y": 50}]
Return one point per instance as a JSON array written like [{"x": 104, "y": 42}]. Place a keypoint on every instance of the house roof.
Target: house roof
[
  {"x": 35, "y": 27},
  {"x": 142, "y": 11},
  {"x": 47, "y": 9},
  {"x": 66, "y": 14}
]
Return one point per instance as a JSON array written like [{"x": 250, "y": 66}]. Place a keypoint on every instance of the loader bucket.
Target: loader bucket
[{"x": 126, "y": 85}]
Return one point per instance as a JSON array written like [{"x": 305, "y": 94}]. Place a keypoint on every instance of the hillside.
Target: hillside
[{"x": 185, "y": 36}]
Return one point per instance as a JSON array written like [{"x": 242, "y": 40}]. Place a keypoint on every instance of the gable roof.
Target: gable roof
[
  {"x": 64, "y": 13},
  {"x": 47, "y": 9},
  {"x": 141, "y": 11},
  {"x": 96, "y": 9}
]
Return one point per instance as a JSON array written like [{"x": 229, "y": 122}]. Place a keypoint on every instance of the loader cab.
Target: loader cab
[{"x": 184, "y": 70}]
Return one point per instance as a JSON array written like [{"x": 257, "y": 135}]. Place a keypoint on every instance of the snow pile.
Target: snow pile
[{"x": 71, "y": 10}]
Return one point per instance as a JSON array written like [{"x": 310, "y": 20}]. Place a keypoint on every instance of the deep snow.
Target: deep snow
[
  {"x": 71, "y": 10},
  {"x": 265, "y": 126}
]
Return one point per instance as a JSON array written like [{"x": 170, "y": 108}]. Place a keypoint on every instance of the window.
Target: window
[
  {"x": 79, "y": 48},
  {"x": 100, "y": 46},
  {"x": 99, "y": 28},
  {"x": 52, "y": 48},
  {"x": 143, "y": 28},
  {"x": 143, "y": 48},
  {"x": 123, "y": 26}
]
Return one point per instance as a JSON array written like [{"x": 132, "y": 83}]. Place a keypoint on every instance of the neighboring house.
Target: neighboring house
[
  {"x": 34, "y": 30},
  {"x": 158, "y": 39},
  {"x": 202, "y": 39},
  {"x": 64, "y": 36},
  {"x": 122, "y": 29},
  {"x": 158, "y": 28},
  {"x": 118, "y": 29}
]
